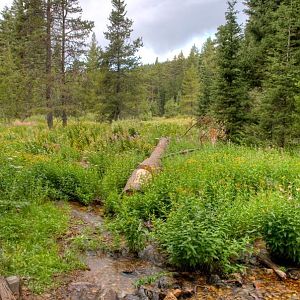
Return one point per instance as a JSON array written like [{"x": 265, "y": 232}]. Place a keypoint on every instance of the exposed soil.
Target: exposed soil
[{"x": 111, "y": 277}]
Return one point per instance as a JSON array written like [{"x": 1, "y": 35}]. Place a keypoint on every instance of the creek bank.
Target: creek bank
[{"x": 111, "y": 276}]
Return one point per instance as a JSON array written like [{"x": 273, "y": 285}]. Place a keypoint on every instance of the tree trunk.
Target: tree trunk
[
  {"x": 50, "y": 120},
  {"x": 5, "y": 292},
  {"x": 117, "y": 111},
  {"x": 64, "y": 118},
  {"x": 288, "y": 50},
  {"x": 49, "y": 67},
  {"x": 147, "y": 168},
  {"x": 63, "y": 64}
]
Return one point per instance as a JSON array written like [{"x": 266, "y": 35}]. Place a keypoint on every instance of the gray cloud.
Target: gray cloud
[
  {"x": 170, "y": 24},
  {"x": 165, "y": 25},
  {"x": 173, "y": 23}
]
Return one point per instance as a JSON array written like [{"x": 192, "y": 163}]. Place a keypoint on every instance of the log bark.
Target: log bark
[
  {"x": 5, "y": 292},
  {"x": 267, "y": 262},
  {"x": 147, "y": 168}
]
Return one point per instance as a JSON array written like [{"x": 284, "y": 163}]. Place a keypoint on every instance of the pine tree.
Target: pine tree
[
  {"x": 94, "y": 53},
  {"x": 49, "y": 78},
  {"x": 177, "y": 68},
  {"x": 120, "y": 58},
  {"x": 278, "y": 108},
  {"x": 72, "y": 32},
  {"x": 11, "y": 85},
  {"x": 22, "y": 28},
  {"x": 258, "y": 38},
  {"x": 160, "y": 86},
  {"x": 230, "y": 105},
  {"x": 190, "y": 92},
  {"x": 193, "y": 58},
  {"x": 153, "y": 84},
  {"x": 208, "y": 71},
  {"x": 92, "y": 82}
]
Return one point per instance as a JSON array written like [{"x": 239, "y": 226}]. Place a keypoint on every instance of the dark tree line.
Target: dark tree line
[{"x": 247, "y": 77}]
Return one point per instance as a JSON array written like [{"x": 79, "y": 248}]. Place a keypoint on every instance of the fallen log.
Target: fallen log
[
  {"x": 5, "y": 291},
  {"x": 268, "y": 263},
  {"x": 147, "y": 168}
]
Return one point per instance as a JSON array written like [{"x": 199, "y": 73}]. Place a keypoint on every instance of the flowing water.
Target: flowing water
[{"x": 107, "y": 276}]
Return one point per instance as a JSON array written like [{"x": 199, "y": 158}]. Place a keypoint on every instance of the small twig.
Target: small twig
[
  {"x": 183, "y": 152},
  {"x": 194, "y": 125}
]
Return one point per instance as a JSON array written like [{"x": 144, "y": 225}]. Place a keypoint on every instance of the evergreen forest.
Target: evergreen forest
[{"x": 245, "y": 77}]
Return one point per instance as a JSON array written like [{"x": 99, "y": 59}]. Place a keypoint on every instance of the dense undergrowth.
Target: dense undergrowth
[
  {"x": 208, "y": 207},
  {"x": 203, "y": 211}
]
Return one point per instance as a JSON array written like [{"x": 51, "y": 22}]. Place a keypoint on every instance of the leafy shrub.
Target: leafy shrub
[
  {"x": 156, "y": 200},
  {"x": 194, "y": 238},
  {"x": 67, "y": 182},
  {"x": 18, "y": 188},
  {"x": 113, "y": 203},
  {"x": 282, "y": 231},
  {"x": 171, "y": 108},
  {"x": 150, "y": 279},
  {"x": 68, "y": 154},
  {"x": 132, "y": 228}
]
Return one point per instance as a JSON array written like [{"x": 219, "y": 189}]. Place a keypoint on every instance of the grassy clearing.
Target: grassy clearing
[
  {"x": 29, "y": 247},
  {"x": 206, "y": 208}
]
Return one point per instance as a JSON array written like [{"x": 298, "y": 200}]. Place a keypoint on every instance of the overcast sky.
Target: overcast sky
[{"x": 166, "y": 26}]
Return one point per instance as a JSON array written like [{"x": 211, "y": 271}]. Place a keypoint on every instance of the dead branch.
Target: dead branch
[{"x": 267, "y": 262}]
